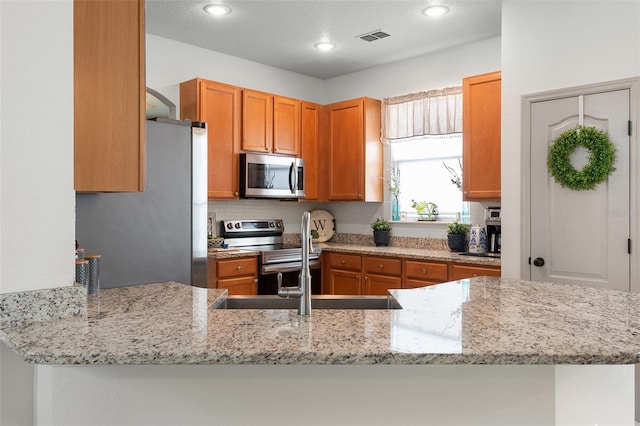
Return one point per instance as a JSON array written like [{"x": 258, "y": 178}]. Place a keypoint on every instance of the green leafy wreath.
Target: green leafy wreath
[{"x": 601, "y": 158}]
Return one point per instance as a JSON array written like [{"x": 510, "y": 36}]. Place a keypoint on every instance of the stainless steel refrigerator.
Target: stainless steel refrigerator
[{"x": 159, "y": 234}]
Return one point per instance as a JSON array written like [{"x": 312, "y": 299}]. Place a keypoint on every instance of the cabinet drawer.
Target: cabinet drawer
[
  {"x": 382, "y": 266},
  {"x": 459, "y": 272},
  {"x": 237, "y": 267},
  {"x": 425, "y": 270},
  {"x": 344, "y": 261}
]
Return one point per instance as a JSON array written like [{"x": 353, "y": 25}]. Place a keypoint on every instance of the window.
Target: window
[
  {"x": 426, "y": 166},
  {"x": 424, "y": 133}
]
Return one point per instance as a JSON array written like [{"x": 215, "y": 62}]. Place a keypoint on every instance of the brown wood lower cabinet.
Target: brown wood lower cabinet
[
  {"x": 342, "y": 272},
  {"x": 353, "y": 274},
  {"x": 239, "y": 275}
]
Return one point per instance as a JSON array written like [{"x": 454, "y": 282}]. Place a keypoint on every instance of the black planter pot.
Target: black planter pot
[
  {"x": 381, "y": 238},
  {"x": 456, "y": 241}
]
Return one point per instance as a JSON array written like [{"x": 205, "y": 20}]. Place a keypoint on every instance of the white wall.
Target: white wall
[
  {"x": 170, "y": 62},
  {"x": 551, "y": 45},
  {"x": 444, "y": 68},
  {"x": 36, "y": 145}
]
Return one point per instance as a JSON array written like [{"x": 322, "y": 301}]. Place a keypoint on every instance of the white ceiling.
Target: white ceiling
[{"x": 281, "y": 33}]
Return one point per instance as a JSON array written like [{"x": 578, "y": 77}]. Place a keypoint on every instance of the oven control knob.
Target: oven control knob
[
  {"x": 272, "y": 225},
  {"x": 279, "y": 224},
  {"x": 237, "y": 225},
  {"x": 229, "y": 225}
]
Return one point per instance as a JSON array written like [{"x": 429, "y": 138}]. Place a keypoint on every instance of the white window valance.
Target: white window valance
[{"x": 436, "y": 112}]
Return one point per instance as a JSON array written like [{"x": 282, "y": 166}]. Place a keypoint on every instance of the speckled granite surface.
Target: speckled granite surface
[
  {"x": 477, "y": 321},
  {"x": 405, "y": 247}
]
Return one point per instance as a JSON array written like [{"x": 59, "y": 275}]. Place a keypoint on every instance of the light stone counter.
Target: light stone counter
[
  {"x": 477, "y": 321},
  {"x": 410, "y": 253}
]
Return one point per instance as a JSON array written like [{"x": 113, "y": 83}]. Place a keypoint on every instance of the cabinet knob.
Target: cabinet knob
[
  {"x": 255, "y": 280},
  {"x": 424, "y": 270},
  {"x": 365, "y": 278},
  {"x": 238, "y": 267},
  {"x": 380, "y": 266},
  {"x": 343, "y": 261},
  {"x": 360, "y": 196}
]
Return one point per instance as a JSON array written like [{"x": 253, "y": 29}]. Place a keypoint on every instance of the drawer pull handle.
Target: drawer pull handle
[
  {"x": 381, "y": 266},
  {"x": 424, "y": 270},
  {"x": 238, "y": 267}
]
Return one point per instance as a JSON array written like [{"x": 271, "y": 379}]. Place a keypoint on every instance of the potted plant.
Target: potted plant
[
  {"x": 381, "y": 232},
  {"x": 427, "y": 210},
  {"x": 456, "y": 235}
]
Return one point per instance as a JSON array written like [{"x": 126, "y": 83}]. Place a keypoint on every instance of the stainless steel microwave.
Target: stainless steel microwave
[{"x": 271, "y": 176}]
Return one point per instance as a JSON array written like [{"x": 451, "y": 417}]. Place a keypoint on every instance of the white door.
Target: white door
[{"x": 580, "y": 237}]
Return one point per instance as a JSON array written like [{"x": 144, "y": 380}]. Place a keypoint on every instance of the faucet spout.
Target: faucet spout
[
  {"x": 305, "y": 271},
  {"x": 303, "y": 290}
]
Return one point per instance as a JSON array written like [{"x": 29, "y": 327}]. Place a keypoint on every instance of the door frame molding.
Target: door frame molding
[{"x": 632, "y": 84}]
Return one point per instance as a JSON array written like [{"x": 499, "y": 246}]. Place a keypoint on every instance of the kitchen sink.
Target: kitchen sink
[{"x": 324, "y": 301}]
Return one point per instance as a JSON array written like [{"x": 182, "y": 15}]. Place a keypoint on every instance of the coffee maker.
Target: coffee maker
[{"x": 494, "y": 232}]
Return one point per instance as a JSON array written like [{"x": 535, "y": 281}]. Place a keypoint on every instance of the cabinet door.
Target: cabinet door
[
  {"x": 219, "y": 106},
  {"x": 310, "y": 126},
  {"x": 109, "y": 95},
  {"x": 459, "y": 272},
  {"x": 411, "y": 283},
  {"x": 240, "y": 286},
  {"x": 355, "y": 151},
  {"x": 481, "y": 137},
  {"x": 379, "y": 284},
  {"x": 344, "y": 282},
  {"x": 257, "y": 121},
  {"x": 346, "y": 166},
  {"x": 286, "y": 126}
]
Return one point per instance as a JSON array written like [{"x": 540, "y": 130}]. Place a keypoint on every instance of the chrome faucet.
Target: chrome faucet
[{"x": 303, "y": 290}]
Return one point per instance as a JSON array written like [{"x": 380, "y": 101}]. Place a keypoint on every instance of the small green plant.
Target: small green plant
[
  {"x": 314, "y": 234},
  {"x": 427, "y": 210},
  {"x": 457, "y": 228},
  {"x": 380, "y": 224}
]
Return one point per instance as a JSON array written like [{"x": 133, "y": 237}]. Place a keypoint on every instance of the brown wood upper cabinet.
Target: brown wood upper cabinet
[
  {"x": 286, "y": 126},
  {"x": 481, "y": 137},
  {"x": 109, "y": 95},
  {"x": 270, "y": 123},
  {"x": 219, "y": 105},
  {"x": 355, "y": 151},
  {"x": 309, "y": 141},
  {"x": 257, "y": 121}
]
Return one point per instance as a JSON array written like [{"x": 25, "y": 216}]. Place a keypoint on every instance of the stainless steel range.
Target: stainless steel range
[{"x": 265, "y": 237}]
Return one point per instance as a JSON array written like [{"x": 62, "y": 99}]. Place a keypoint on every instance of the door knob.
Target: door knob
[{"x": 538, "y": 261}]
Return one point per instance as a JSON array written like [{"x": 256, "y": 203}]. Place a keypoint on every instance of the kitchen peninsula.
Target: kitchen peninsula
[{"x": 455, "y": 337}]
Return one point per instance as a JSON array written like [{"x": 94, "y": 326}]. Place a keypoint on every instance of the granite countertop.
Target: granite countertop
[
  {"x": 410, "y": 253},
  {"x": 404, "y": 252},
  {"x": 483, "y": 320}
]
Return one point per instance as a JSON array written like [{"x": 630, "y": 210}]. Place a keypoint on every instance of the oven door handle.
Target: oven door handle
[{"x": 287, "y": 267}]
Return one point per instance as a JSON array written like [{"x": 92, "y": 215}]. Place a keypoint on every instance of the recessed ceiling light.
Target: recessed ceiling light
[
  {"x": 325, "y": 45},
  {"x": 436, "y": 10},
  {"x": 217, "y": 9}
]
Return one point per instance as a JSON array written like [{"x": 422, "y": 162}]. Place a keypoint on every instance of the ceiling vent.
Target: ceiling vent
[{"x": 373, "y": 35}]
